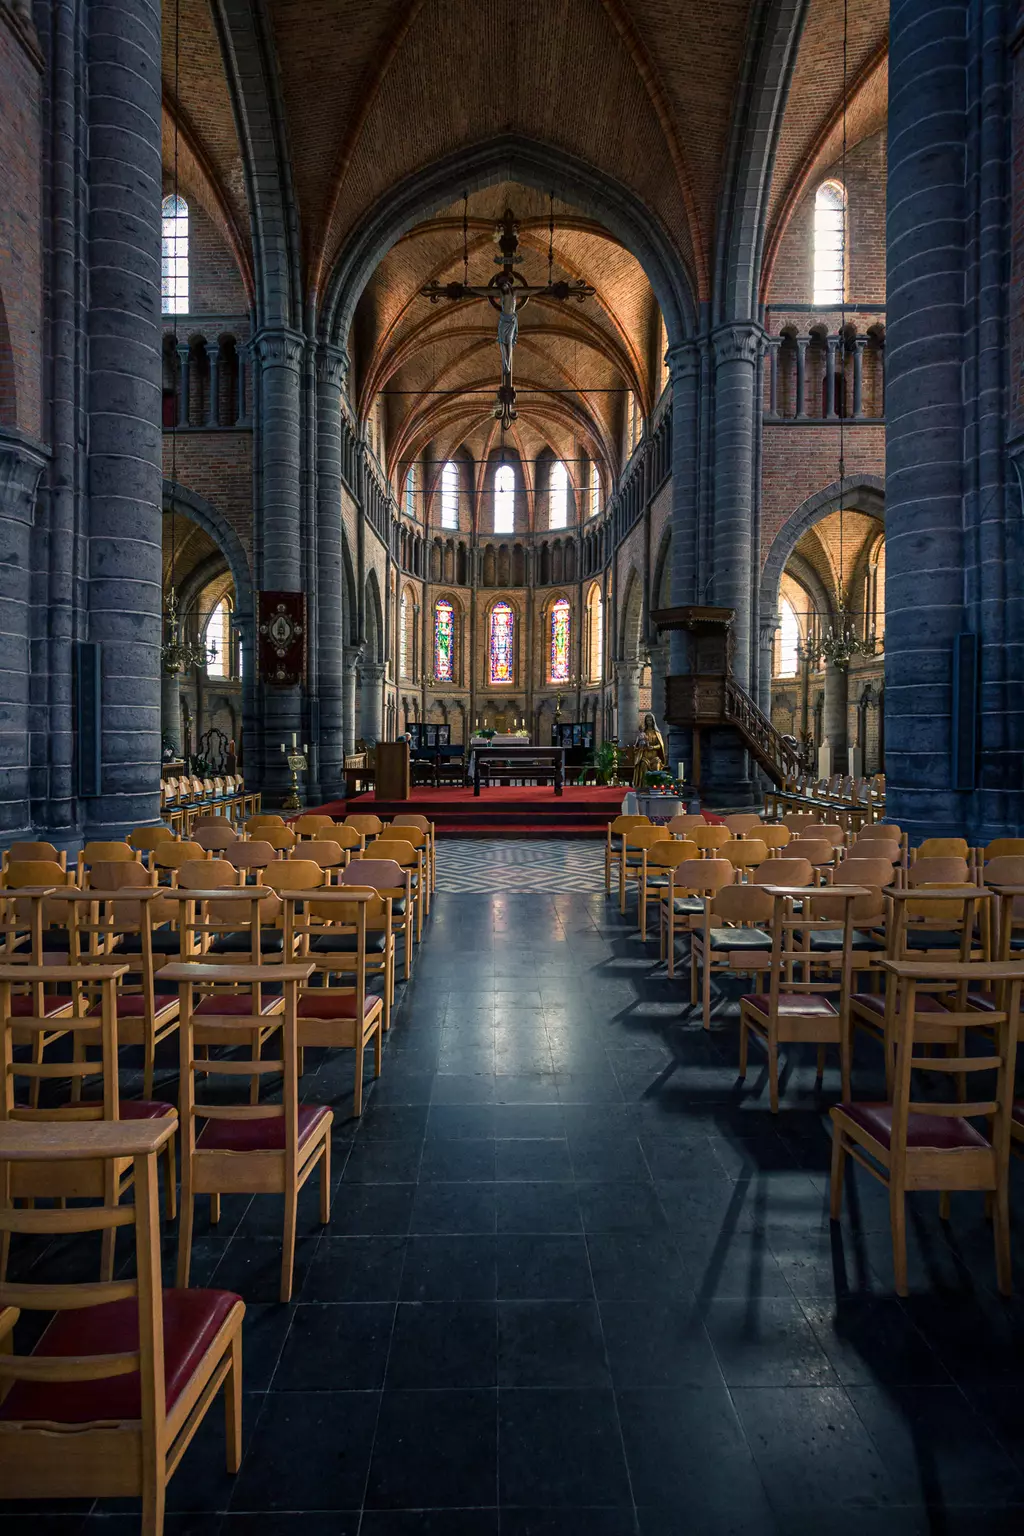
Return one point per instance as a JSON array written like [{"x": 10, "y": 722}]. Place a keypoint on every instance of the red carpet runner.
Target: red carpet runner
[{"x": 584, "y": 810}]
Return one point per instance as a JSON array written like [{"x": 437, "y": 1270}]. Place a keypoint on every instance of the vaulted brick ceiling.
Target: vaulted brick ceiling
[{"x": 642, "y": 90}]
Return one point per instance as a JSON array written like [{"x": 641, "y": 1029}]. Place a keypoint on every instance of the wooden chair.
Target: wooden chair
[
  {"x": 798, "y": 1005},
  {"x": 681, "y": 906},
  {"x": 247, "y": 1148},
  {"x": 330, "y": 1015},
  {"x": 679, "y": 826},
  {"x": 265, "y": 819},
  {"x": 820, "y": 853},
  {"x": 111, "y": 1395},
  {"x": 216, "y": 836},
  {"x": 21, "y": 853},
  {"x": 98, "y": 1027},
  {"x": 614, "y": 835},
  {"x": 225, "y": 928},
  {"x": 251, "y": 858},
  {"x": 145, "y": 839},
  {"x": 743, "y": 823},
  {"x": 658, "y": 881},
  {"x": 108, "y": 914},
  {"x": 410, "y": 860},
  {"x": 941, "y": 848},
  {"x": 709, "y": 839},
  {"x": 367, "y": 824},
  {"x": 1005, "y": 877},
  {"x": 384, "y": 922},
  {"x": 418, "y": 839},
  {"x": 104, "y": 853},
  {"x": 913, "y": 1145},
  {"x": 281, "y": 839},
  {"x": 774, "y": 838},
  {"x": 312, "y": 825},
  {"x": 744, "y": 854},
  {"x": 733, "y": 937},
  {"x": 636, "y": 843},
  {"x": 22, "y": 924},
  {"x": 330, "y": 856},
  {"x": 409, "y": 819},
  {"x": 780, "y": 871},
  {"x": 799, "y": 821},
  {"x": 167, "y": 859}
]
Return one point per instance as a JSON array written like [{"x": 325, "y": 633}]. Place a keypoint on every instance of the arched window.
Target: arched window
[
  {"x": 218, "y": 641},
  {"x": 789, "y": 642},
  {"x": 505, "y": 499},
  {"x": 595, "y": 489},
  {"x": 561, "y": 633},
  {"x": 558, "y": 496},
  {"x": 595, "y": 635},
  {"x": 450, "y": 496},
  {"x": 406, "y": 637},
  {"x": 876, "y": 619},
  {"x": 830, "y": 243},
  {"x": 444, "y": 641},
  {"x": 501, "y": 644},
  {"x": 410, "y": 491},
  {"x": 174, "y": 257}
]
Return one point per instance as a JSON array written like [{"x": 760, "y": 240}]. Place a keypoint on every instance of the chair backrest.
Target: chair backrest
[
  {"x": 793, "y": 870},
  {"x": 107, "y": 853},
  {"x": 938, "y": 870},
  {"x": 797, "y": 820},
  {"x": 101, "y": 980},
  {"x": 941, "y": 848},
  {"x": 1003, "y": 848},
  {"x": 703, "y": 876},
  {"x": 744, "y": 852},
  {"x": 867, "y": 908},
  {"x": 621, "y": 824},
  {"x": 264, "y": 819},
  {"x": 1006, "y": 869},
  {"x": 367, "y": 824},
  {"x": 815, "y": 850},
  {"x": 349, "y": 838},
  {"x": 20, "y": 853},
  {"x": 132, "y": 914},
  {"x": 888, "y": 848},
  {"x": 883, "y": 831},
  {"x": 215, "y": 836},
  {"x": 25, "y": 1378},
  {"x": 826, "y": 832},
  {"x": 639, "y": 838},
  {"x": 294, "y": 875},
  {"x": 22, "y": 872},
  {"x": 376, "y": 874},
  {"x": 410, "y": 819},
  {"x": 253, "y": 855},
  {"x": 680, "y": 826},
  {"x": 393, "y": 848},
  {"x": 404, "y": 834},
  {"x": 713, "y": 837},
  {"x": 670, "y": 852},
  {"x": 742, "y": 904},
  {"x": 145, "y": 839},
  {"x": 742, "y": 823},
  {"x": 860, "y": 869},
  {"x": 280, "y": 838},
  {"x": 775, "y": 837},
  {"x": 312, "y": 824},
  {"x": 209, "y": 819},
  {"x": 327, "y": 853},
  {"x": 207, "y": 875},
  {"x": 172, "y": 856}
]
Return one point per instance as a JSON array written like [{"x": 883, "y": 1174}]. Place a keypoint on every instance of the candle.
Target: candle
[
  {"x": 283, "y": 747},
  {"x": 305, "y": 748},
  {"x": 295, "y": 740}
]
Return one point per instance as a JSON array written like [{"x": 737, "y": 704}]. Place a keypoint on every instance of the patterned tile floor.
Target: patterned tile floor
[{"x": 477, "y": 865}]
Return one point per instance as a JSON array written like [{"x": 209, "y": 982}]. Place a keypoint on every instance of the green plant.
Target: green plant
[
  {"x": 487, "y": 733},
  {"x": 606, "y": 761},
  {"x": 659, "y": 780}
]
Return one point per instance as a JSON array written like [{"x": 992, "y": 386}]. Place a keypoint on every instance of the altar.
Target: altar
[{"x": 515, "y": 759}]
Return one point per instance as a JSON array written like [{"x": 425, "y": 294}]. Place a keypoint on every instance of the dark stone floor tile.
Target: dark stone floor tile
[
  {"x": 457, "y": 1161},
  {"x": 252, "y": 1267},
  {"x": 372, "y": 1209},
  {"x": 340, "y": 1347},
  {"x": 871, "y": 1339},
  {"x": 384, "y": 1162},
  {"x": 451, "y": 1209},
  {"x": 449, "y": 1269},
  {"x": 355, "y": 1269},
  {"x": 534, "y": 1268},
  {"x": 434, "y": 1450},
  {"x": 658, "y": 1344},
  {"x": 460, "y": 1122},
  {"x": 636, "y": 1266},
  {"x": 439, "y": 1344},
  {"x": 550, "y": 1344},
  {"x": 619, "y": 1207},
  {"x": 937, "y": 1450},
  {"x": 537, "y": 1207},
  {"x": 429, "y": 1522},
  {"x": 608, "y": 1157},
  {"x": 685, "y": 1449},
  {"x": 289, "y": 1524},
  {"x": 533, "y": 1159},
  {"x": 264, "y": 1331},
  {"x": 560, "y": 1449},
  {"x": 568, "y": 1522},
  {"x": 463, "y": 1088},
  {"x": 393, "y": 1122},
  {"x": 528, "y": 1121},
  {"x": 280, "y": 1473},
  {"x": 767, "y": 1344}
]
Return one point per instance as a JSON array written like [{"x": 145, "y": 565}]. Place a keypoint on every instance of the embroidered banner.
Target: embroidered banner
[{"x": 282, "y": 630}]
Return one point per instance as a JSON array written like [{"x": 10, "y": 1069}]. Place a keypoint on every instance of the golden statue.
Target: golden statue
[{"x": 648, "y": 752}]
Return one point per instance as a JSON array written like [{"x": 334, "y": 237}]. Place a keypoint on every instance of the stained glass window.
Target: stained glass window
[
  {"x": 410, "y": 491},
  {"x": 558, "y": 496},
  {"x": 829, "y": 243},
  {"x": 595, "y": 490},
  {"x": 403, "y": 638},
  {"x": 444, "y": 641},
  {"x": 595, "y": 614},
  {"x": 174, "y": 263},
  {"x": 560, "y": 641},
  {"x": 502, "y": 655},
  {"x": 450, "y": 496},
  {"x": 505, "y": 499}
]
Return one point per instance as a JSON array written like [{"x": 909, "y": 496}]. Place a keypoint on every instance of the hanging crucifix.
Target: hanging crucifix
[{"x": 508, "y": 292}]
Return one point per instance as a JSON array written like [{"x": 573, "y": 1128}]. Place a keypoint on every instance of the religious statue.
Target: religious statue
[
  {"x": 508, "y": 328},
  {"x": 648, "y": 752}
]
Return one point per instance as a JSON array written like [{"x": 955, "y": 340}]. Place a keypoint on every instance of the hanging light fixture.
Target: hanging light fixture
[
  {"x": 841, "y": 640},
  {"x": 177, "y": 654}
]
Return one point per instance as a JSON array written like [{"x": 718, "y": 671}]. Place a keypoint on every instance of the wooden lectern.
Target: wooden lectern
[{"x": 391, "y": 779}]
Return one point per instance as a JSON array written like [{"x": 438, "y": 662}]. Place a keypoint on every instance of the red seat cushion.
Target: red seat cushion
[
  {"x": 23, "y": 1005},
  {"x": 144, "y": 1109},
  {"x": 265, "y": 1134},
  {"x": 223, "y": 1004},
  {"x": 944, "y": 1133},
  {"x": 875, "y": 1002},
  {"x": 132, "y": 1005},
  {"x": 795, "y": 1005},
  {"x": 191, "y": 1322},
  {"x": 326, "y": 1003}
]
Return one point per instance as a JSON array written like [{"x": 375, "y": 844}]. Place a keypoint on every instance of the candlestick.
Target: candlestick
[
  {"x": 295, "y": 740},
  {"x": 283, "y": 747}
]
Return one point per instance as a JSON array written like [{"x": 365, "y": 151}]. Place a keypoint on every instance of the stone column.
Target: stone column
[
  {"x": 659, "y": 654},
  {"x": 858, "y": 375},
  {"x": 766, "y": 644},
  {"x": 735, "y": 372},
  {"x": 774, "y": 343},
  {"x": 691, "y": 559},
  {"x": 627, "y": 701},
  {"x": 372, "y": 701},
  {"x": 213, "y": 401},
  {"x": 242, "y": 355},
  {"x": 279, "y": 354},
  {"x": 184, "y": 367},
  {"x": 831, "y": 345},
  {"x": 331, "y": 369},
  {"x": 837, "y": 684},
  {"x": 170, "y": 709},
  {"x": 349, "y": 681},
  {"x": 21, "y": 465},
  {"x": 124, "y": 401},
  {"x": 801, "y": 377},
  {"x": 926, "y": 235}
]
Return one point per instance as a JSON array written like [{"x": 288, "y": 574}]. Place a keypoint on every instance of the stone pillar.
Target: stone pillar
[
  {"x": 691, "y": 559},
  {"x": 170, "y": 709},
  {"x": 926, "y": 236},
  {"x": 371, "y": 701},
  {"x": 331, "y": 370},
  {"x": 213, "y": 400},
  {"x": 242, "y": 355},
  {"x": 801, "y": 377},
  {"x": 184, "y": 367},
  {"x": 837, "y": 683},
  {"x": 124, "y": 401},
  {"x": 349, "y": 681},
  {"x": 766, "y": 645},
  {"x": 831, "y": 345},
  {"x": 659, "y": 652},
  {"x": 773, "y": 375},
  {"x": 21, "y": 465},
  {"x": 858, "y": 375},
  {"x": 627, "y": 701},
  {"x": 735, "y": 372},
  {"x": 279, "y": 354}
]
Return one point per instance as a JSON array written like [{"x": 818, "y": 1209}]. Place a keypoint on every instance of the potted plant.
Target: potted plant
[{"x": 604, "y": 760}]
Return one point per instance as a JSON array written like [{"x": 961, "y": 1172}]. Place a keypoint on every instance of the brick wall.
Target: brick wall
[
  {"x": 20, "y": 231},
  {"x": 218, "y": 467},
  {"x": 1016, "y": 423},
  {"x": 793, "y": 275},
  {"x": 215, "y": 285},
  {"x": 801, "y": 460}
]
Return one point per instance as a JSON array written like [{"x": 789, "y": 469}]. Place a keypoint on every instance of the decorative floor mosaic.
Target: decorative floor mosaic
[{"x": 490, "y": 865}]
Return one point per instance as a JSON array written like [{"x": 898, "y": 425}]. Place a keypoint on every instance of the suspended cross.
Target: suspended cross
[{"x": 508, "y": 292}]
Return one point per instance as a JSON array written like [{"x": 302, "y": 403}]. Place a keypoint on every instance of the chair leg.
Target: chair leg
[
  {"x": 233, "y": 1406},
  {"x": 944, "y": 1205},
  {"x": 693, "y": 974},
  {"x": 214, "y": 1210},
  {"x": 185, "y": 1232},
  {"x": 291, "y": 1221},
  {"x": 378, "y": 1047},
  {"x": 835, "y": 1198},
  {"x": 325, "y": 1181},
  {"x": 744, "y": 1044},
  {"x": 706, "y": 992},
  {"x": 154, "y": 1490},
  {"x": 773, "y": 1074},
  {"x": 1001, "y": 1225},
  {"x": 898, "y": 1227},
  {"x": 171, "y": 1193},
  {"x": 357, "y": 1092},
  {"x": 821, "y": 1062}
]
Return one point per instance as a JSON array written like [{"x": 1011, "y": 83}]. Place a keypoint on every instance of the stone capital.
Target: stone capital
[
  {"x": 738, "y": 343},
  {"x": 184, "y": 351},
  {"x": 683, "y": 362},
  {"x": 332, "y": 365},
  {"x": 213, "y": 351},
  {"x": 628, "y": 672},
  {"x": 373, "y": 671},
  {"x": 21, "y": 464},
  {"x": 279, "y": 348}
]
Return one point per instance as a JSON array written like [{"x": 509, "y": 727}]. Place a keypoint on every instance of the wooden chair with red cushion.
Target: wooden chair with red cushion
[
  {"x": 115, "y": 1388},
  {"x": 23, "y": 925},
  {"x": 255, "y": 1148},
  {"x": 935, "y": 1143}
]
